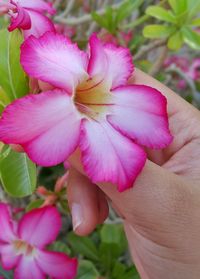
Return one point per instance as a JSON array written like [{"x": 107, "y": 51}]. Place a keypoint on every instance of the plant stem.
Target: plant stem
[
  {"x": 83, "y": 19},
  {"x": 137, "y": 22},
  {"x": 143, "y": 50},
  {"x": 159, "y": 62}
]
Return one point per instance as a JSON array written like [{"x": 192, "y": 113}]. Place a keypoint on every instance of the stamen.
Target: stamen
[{"x": 23, "y": 248}]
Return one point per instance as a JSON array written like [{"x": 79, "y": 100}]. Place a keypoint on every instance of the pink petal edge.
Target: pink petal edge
[
  {"x": 140, "y": 113},
  {"x": 40, "y": 226},
  {"x": 108, "y": 156}
]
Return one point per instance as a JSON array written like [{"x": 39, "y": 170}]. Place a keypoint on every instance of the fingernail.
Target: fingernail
[{"x": 77, "y": 216}]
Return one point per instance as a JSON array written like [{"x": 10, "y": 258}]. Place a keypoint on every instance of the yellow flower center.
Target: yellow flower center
[
  {"x": 93, "y": 99},
  {"x": 23, "y": 248}
]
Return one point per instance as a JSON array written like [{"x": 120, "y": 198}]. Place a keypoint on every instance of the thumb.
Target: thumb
[{"x": 157, "y": 195}]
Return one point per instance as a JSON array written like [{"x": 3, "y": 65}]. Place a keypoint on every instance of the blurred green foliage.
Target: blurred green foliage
[{"x": 150, "y": 25}]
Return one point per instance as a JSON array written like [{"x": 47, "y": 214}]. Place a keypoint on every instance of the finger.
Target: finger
[
  {"x": 133, "y": 238},
  {"x": 156, "y": 197},
  {"x": 183, "y": 118},
  {"x": 102, "y": 206},
  {"x": 87, "y": 203}
]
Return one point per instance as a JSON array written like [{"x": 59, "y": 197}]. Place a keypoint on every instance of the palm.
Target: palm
[{"x": 158, "y": 232}]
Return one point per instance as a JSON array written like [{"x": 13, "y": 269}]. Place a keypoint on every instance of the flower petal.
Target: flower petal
[
  {"x": 40, "y": 226},
  {"x": 98, "y": 63},
  {"x": 114, "y": 64},
  {"x": 108, "y": 156},
  {"x": 40, "y": 24},
  {"x": 120, "y": 64},
  {"x": 27, "y": 268},
  {"x": 140, "y": 112},
  {"x": 9, "y": 259},
  {"x": 47, "y": 126},
  {"x": 37, "y": 5},
  {"x": 54, "y": 59},
  {"x": 20, "y": 19},
  {"x": 6, "y": 224},
  {"x": 57, "y": 265}
]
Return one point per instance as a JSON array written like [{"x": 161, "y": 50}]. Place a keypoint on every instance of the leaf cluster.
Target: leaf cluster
[{"x": 180, "y": 20}]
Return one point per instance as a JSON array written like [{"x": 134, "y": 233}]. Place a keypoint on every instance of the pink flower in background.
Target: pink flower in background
[
  {"x": 22, "y": 245},
  {"x": 28, "y": 15},
  {"x": 63, "y": 29},
  {"x": 194, "y": 70},
  {"x": 5, "y": 7},
  {"x": 180, "y": 61},
  {"x": 107, "y": 37},
  {"x": 92, "y": 108}
]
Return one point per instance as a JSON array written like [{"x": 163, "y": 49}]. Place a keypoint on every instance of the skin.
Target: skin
[{"x": 161, "y": 212}]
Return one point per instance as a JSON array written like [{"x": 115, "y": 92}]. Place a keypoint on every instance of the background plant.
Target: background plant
[{"x": 164, "y": 38}]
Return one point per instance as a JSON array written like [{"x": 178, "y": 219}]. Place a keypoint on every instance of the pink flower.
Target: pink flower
[
  {"x": 28, "y": 15},
  {"x": 91, "y": 108},
  {"x": 5, "y": 7},
  {"x": 194, "y": 70},
  {"x": 180, "y": 61},
  {"x": 63, "y": 29},
  {"x": 22, "y": 245},
  {"x": 107, "y": 37}
]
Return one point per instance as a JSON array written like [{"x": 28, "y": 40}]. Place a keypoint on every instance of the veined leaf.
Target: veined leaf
[
  {"x": 158, "y": 31},
  {"x": 12, "y": 78},
  {"x": 161, "y": 13},
  {"x": 18, "y": 174}
]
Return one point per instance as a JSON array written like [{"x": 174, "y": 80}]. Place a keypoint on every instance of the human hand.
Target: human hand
[{"x": 162, "y": 211}]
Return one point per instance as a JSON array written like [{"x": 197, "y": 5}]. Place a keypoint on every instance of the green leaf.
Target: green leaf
[
  {"x": 87, "y": 270},
  {"x": 118, "y": 270},
  {"x": 131, "y": 274},
  {"x": 59, "y": 246},
  {"x": 34, "y": 204},
  {"x": 109, "y": 253},
  {"x": 158, "y": 31},
  {"x": 191, "y": 38},
  {"x": 110, "y": 17},
  {"x": 126, "y": 9},
  {"x": 83, "y": 246},
  {"x": 4, "y": 100},
  {"x": 101, "y": 20},
  {"x": 6, "y": 274},
  {"x": 175, "y": 42},
  {"x": 161, "y": 13},
  {"x": 64, "y": 206},
  {"x": 196, "y": 22},
  {"x": 12, "y": 78},
  {"x": 114, "y": 234},
  {"x": 178, "y": 6},
  {"x": 193, "y": 7},
  {"x": 4, "y": 151},
  {"x": 18, "y": 174},
  {"x": 3, "y": 22}
]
